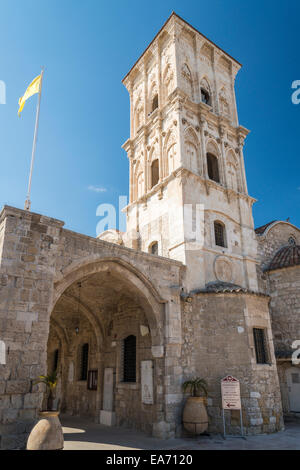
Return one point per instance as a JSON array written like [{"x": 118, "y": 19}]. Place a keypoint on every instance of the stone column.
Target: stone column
[
  {"x": 145, "y": 79},
  {"x": 202, "y": 123},
  {"x": 242, "y": 164},
  {"x": 146, "y": 165},
  {"x": 131, "y": 110},
  {"x": 214, "y": 59},
  {"x": 131, "y": 177},
  {"x": 223, "y": 157},
  {"x": 170, "y": 426}
]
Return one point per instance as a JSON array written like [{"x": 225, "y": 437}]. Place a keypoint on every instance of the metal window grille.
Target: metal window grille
[
  {"x": 129, "y": 359},
  {"x": 219, "y": 234},
  {"x": 55, "y": 359},
  {"x": 84, "y": 361},
  {"x": 260, "y": 346}
]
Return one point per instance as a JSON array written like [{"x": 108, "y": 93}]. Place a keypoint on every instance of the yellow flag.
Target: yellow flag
[{"x": 33, "y": 88}]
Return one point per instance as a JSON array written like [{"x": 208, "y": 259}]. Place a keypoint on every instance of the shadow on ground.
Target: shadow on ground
[{"x": 83, "y": 434}]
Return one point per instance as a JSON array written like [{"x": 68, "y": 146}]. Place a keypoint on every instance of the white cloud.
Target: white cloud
[{"x": 97, "y": 189}]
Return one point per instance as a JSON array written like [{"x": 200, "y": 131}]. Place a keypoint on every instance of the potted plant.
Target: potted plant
[
  {"x": 47, "y": 433},
  {"x": 195, "y": 418}
]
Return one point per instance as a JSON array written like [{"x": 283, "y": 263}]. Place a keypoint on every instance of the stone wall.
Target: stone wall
[
  {"x": 27, "y": 268},
  {"x": 218, "y": 341},
  {"x": 40, "y": 261},
  {"x": 283, "y": 287}
]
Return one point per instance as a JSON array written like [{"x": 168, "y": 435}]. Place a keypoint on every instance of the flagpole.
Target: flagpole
[{"x": 28, "y": 202}]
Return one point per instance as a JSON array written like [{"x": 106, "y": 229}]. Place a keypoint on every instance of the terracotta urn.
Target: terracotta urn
[
  {"x": 195, "y": 418},
  {"x": 47, "y": 433}
]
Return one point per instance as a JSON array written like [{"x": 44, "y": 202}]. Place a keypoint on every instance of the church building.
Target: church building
[{"x": 191, "y": 289}]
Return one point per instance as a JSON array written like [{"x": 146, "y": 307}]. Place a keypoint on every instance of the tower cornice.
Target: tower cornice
[{"x": 172, "y": 18}]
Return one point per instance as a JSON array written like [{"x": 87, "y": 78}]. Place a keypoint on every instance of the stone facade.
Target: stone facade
[
  {"x": 283, "y": 286},
  {"x": 185, "y": 286}
]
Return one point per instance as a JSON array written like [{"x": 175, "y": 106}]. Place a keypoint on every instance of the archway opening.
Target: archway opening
[{"x": 92, "y": 327}]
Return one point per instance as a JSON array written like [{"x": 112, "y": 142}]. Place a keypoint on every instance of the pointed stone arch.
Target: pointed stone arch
[
  {"x": 168, "y": 81},
  {"x": 224, "y": 105},
  {"x": 139, "y": 180},
  {"x": 187, "y": 80},
  {"x": 138, "y": 114},
  {"x": 191, "y": 150},
  {"x": 233, "y": 179},
  {"x": 148, "y": 296},
  {"x": 170, "y": 155}
]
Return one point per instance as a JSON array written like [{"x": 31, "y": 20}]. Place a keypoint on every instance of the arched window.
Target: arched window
[
  {"x": 154, "y": 102},
  {"x": 129, "y": 359},
  {"x": 84, "y": 360},
  {"x": 153, "y": 248},
  {"x": 205, "y": 97},
  {"x": 219, "y": 234},
  {"x": 213, "y": 167},
  {"x": 154, "y": 173}
]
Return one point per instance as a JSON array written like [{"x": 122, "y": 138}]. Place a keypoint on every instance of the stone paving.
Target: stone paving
[{"x": 81, "y": 434}]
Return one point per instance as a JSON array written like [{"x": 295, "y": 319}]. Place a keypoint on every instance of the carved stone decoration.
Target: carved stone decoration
[{"x": 223, "y": 269}]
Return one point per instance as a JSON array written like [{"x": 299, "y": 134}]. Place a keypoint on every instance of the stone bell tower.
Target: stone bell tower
[{"x": 188, "y": 190}]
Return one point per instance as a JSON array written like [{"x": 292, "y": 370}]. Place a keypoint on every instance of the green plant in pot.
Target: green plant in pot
[
  {"x": 50, "y": 381},
  {"x": 47, "y": 433},
  {"x": 195, "y": 418}
]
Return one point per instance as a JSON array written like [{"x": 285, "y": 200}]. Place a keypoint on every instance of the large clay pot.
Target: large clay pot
[
  {"x": 195, "y": 419},
  {"x": 47, "y": 433}
]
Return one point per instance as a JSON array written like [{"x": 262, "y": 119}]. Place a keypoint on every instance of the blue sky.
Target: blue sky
[{"x": 87, "y": 48}]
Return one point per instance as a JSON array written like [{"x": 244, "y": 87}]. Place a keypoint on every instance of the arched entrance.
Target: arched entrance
[{"x": 106, "y": 318}]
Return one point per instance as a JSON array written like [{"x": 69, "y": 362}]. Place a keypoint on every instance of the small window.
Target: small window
[
  {"x": 260, "y": 346},
  {"x": 84, "y": 361},
  {"x": 154, "y": 103},
  {"x": 154, "y": 248},
  {"x": 55, "y": 359},
  {"x": 292, "y": 241},
  {"x": 154, "y": 173},
  {"x": 92, "y": 382},
  {"x": 205, "y": 98},
  {"x": 219, "y": 234},
  {"x": 213, "y": 168},
  {"x": 129, "y": 359}
]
